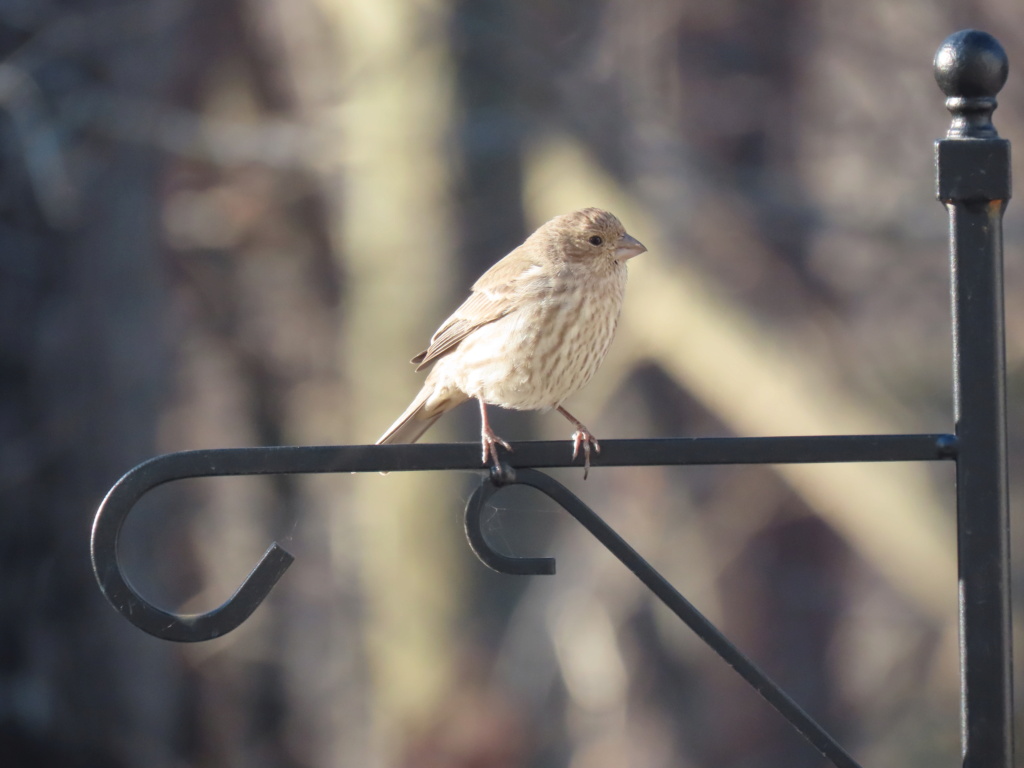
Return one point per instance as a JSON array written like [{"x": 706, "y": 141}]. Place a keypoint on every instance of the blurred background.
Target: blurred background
[{"x": 232, "y": 222}]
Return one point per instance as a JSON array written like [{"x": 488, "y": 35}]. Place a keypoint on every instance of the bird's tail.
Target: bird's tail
[{"x": 418, "y": 418}]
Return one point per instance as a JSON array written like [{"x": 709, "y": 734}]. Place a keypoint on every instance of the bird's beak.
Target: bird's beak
[{"x": 628, "y": 247}]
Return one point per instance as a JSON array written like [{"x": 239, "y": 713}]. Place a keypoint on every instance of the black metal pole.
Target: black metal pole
[{"x": 973, "y": 166}]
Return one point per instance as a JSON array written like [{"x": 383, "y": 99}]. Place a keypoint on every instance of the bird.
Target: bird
[{"x": 534, "y": 330}]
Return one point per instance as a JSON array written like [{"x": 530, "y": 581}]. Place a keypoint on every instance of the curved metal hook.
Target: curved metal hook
[
  {"x": 182, "y": 628},
  {"x": 554, "y": 490},
  {"x": 513, "y": 566}
]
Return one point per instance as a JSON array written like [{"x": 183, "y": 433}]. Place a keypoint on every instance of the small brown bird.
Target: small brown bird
[{"x": 534, "y": 330}]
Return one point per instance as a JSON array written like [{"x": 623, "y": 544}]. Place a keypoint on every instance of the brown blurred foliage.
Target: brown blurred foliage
[{"x": 232, "y": 222}]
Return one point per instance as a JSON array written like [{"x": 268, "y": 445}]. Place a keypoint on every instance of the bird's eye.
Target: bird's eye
[{"x": 596, "y": 240}]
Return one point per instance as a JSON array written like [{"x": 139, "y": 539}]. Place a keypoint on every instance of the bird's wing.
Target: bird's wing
[{"x": 498, "y": 292}]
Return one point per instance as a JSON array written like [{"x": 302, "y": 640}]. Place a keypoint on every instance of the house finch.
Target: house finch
[{"x": 533, "y": 331}]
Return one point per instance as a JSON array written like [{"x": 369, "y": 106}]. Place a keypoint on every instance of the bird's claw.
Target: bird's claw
[
  {"x": 582, "y": 438},
  {"x": 490, "y": 442}
]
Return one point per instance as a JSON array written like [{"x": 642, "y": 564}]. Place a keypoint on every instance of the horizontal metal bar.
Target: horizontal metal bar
[
  {"x": 547, "y": 454},
  {"x": 129, "y": 489}
]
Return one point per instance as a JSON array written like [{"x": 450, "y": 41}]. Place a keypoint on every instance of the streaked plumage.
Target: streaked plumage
[{"x": 534, "y": 330}]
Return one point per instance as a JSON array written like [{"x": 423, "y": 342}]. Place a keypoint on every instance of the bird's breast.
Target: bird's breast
[{"x": 549, "y": 347}]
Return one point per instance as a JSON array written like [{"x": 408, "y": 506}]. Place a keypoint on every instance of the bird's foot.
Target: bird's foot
[
  {"x": 582, "y": 438},
  {"x": 490, "y": 442}
]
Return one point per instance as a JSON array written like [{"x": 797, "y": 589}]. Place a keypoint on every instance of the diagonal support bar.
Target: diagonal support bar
[{"x": 769, "y": 690}]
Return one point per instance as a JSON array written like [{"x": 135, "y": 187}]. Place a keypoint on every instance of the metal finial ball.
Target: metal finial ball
[{"x": 971, "y": 64}]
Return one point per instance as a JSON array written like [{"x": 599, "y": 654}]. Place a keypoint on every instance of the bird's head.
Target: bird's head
[{"x": 592, "y": 233}]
